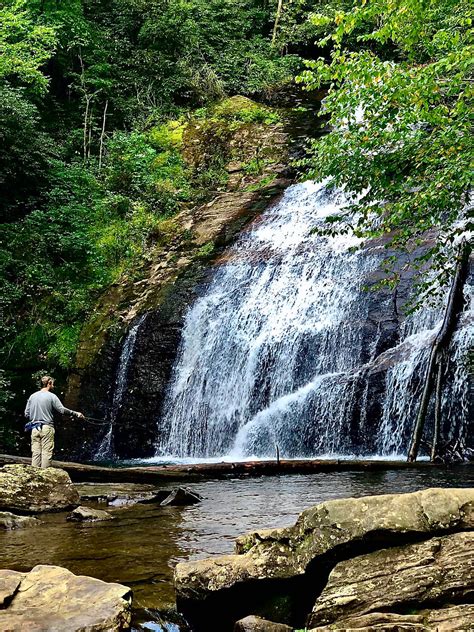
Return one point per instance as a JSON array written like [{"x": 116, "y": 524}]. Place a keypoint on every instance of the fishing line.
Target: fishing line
[{"x": 93, "y": 421}]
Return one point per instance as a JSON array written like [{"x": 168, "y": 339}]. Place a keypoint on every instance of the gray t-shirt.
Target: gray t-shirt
[{"x": 41, "y": 406}]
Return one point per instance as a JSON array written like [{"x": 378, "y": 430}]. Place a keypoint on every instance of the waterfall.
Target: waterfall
[
  {"x": 282, "y": 347},
  {"x": 105, "y": 449}
]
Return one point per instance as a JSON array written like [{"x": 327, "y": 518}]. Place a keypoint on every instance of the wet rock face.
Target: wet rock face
[
  {"x": 52, "y": 598},
  {"x": 27, "y": 489},
  {"x": 278, "y": 573},
  {"x": 435, "y": 571},
  {"x": 155, "y": 351}
]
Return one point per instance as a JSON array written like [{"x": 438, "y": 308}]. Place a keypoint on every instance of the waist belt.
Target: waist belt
[{"x": 32, "y": 425}]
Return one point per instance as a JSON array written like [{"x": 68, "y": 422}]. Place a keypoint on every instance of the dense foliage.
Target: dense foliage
[
  {"x": 94, "y": 95},
  {"x": 399, "y": 105}
]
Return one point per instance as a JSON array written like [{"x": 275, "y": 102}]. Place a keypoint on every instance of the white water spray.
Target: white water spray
[
  {"x": 105, "y": 449},
  {"x": 279, "y": 348}
]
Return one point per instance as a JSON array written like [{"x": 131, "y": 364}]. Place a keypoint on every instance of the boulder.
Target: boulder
[
  {"x": 181, "y": 496},
  {"x": 27, "y": 489},
  {"x": 52, "y": 599},
  {"x": 86, "y": 514},
  {"x": 275, "y": 573},
  {"x": 330, "y": 526},
  {"x": 439, "y": 570},
  {"x": 451, "y": 618},
  {"x": 257, "y": 624},
  {"x": 11, "y": 521},
  {"x": 9, "y": 583}
]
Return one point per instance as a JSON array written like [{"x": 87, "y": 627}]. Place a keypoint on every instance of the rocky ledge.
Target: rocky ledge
[
  {"x": 390, "y": 562},
  {"x": 51, "y": 598}
]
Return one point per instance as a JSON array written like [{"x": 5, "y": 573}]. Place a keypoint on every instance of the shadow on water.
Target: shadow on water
[{"x": 143, "y": 544}]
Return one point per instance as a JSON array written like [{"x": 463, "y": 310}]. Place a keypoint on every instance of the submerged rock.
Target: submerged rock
[
  {"x": 182, "y": 496},
  {"x": 257, "y": 624},
  {"x": 86, "y": 514},
  {"x": 51, "y": 598},
  {"x": 120, "y": 494},
  {"x": 439, "y": 570},
  {"x": 12, "y": 521},
  {"x": 278, "y": 573},
  {"x": 143, "y": 499},
  {"x": 26, "y": 489}
]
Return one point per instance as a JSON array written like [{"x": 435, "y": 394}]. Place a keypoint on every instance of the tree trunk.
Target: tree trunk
[
  {"x": 277, "y": 20},
  {"x": 437, "y": 412},
  {"x": 441, "y": 342},
  {"x": 86, "y": 120},
  {"x": 101, "y": 144},
  {"x": 89, "y": 140}
]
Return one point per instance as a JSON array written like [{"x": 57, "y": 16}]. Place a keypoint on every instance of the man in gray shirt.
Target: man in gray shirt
[{"x": 40, "y": 413}]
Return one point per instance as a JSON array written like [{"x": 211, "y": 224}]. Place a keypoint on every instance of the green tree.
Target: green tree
[
  {"x": 399, "y": 103},
  {"x": 25, "y": 148}
]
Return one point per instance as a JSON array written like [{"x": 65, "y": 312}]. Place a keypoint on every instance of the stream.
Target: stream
[{"x": 145, "y": 541}]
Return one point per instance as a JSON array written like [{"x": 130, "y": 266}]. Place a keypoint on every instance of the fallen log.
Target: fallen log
[{"x": 157, "y": 474}]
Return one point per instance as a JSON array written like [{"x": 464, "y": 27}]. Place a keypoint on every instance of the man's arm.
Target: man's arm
[{"x": 62, "y": 409}]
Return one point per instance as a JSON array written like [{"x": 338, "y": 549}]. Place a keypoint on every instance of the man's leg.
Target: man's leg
[
  {"x": 36, "y": 447},
  {"x": 47, "y": 445}
]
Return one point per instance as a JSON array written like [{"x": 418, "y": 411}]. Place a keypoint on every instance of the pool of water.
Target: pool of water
[{"x": 143, "y": 544}]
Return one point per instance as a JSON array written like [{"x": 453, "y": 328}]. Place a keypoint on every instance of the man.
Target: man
[{"x": 40, "y": 412}]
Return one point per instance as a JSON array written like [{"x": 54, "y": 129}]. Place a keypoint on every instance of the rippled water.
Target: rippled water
[{"x": 141, "y": 547}]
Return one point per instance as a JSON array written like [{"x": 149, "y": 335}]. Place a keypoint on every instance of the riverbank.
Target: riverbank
[{"x": 85, "y": 472}]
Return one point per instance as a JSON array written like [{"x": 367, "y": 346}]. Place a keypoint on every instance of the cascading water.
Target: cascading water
[
  {"x": 105, "y": 449},
  {"x": 279, "y": 349}
]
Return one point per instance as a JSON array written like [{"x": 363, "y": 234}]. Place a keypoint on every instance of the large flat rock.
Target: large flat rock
[
  {"x": 437, "y": 571},
  {"x": 330, "y": 526},
  {"x": 52, "y": 599},
  {"x": 451, "y": 618},
  {"x": 27, "y": 489}
]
